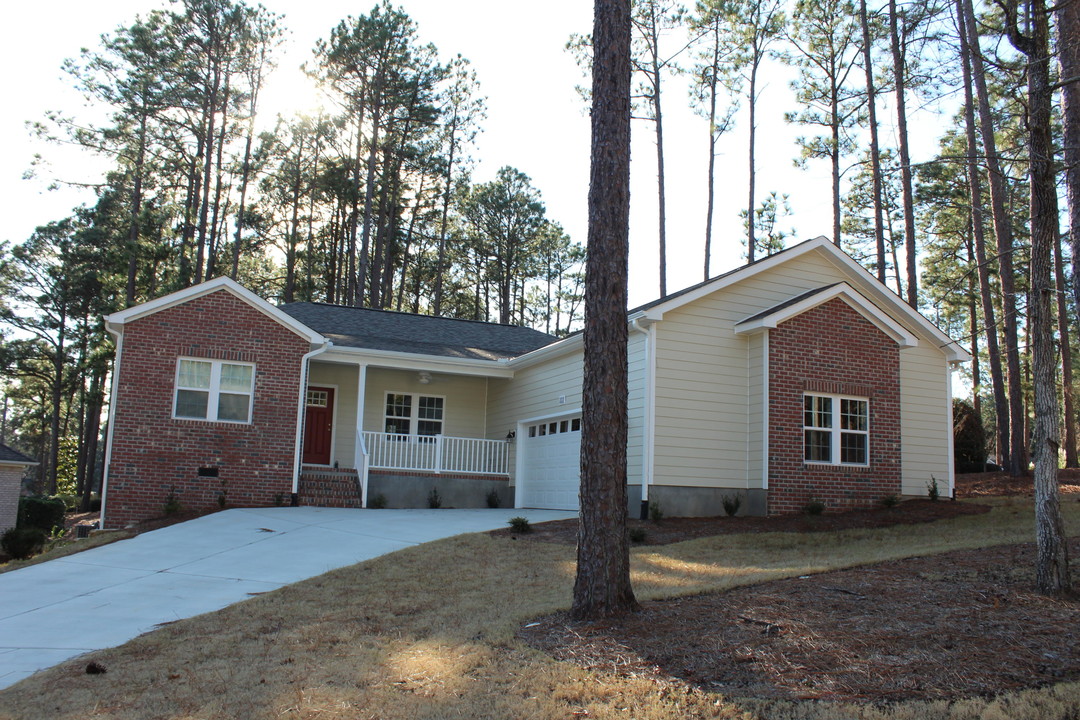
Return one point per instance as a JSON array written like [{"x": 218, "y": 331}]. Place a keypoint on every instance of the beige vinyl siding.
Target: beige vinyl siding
[
  {"x": 925, "y": 419},
  {"x": 344, "y": 378},
  {"x": 534, "y": 392},
  {"x": 464, "y": 412}
]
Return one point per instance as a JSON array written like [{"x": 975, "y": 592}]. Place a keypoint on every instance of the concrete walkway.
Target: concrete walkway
[{"x": 107, "y": 595}]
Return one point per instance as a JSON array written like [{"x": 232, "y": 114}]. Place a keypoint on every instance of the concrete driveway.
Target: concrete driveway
[{"x": 105, "y": 596}]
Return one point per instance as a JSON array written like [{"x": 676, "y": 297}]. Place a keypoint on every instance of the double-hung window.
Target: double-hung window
[
  {"x": 836, "y": 430},
  {"x": 214, "y": 390},
  {"x": 409, "y": 414}
]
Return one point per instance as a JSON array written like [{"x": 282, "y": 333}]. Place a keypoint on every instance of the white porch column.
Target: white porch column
[{"x": 359, "y": 460}]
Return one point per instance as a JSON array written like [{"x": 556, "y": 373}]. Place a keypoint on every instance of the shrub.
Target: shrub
[
  {"x": 656, "y": 512},
  {"x": 95, "y": 502},
  {"x": 71, "y": 502},
  {"x": 638, "y": 535},
  {"x": 21, "y": 543},
  {"x": 932, "y": 491},
  {"x": 172, "y": 503},
  {"x": 969, "y": 439},
  {"x": 279, "y": 499},
  {"x": 378, "y": 502},
  {"x": 519, "y": 525},
  {"x": 434, "y": 500},
  {"x": 814, "y": 507},
  {"x": 890, "y": 501},
  {"x": 493, "y": 498},
  {"x": 43, "y": 513},
  {"x": 732, "y": 503}
]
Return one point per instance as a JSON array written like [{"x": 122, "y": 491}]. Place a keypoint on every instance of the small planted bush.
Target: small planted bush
[
  {"x": 732, "y": 503},
  {"x": 43, "y": 513},
  {"x": 638, "y": 535},
  {"x": 21, "y": 543},
  {"x": 378, "y": 502},
  {"x": 656, "y": 512},
  {"x": 172, "y": 503},
  {"x": 519, "y": 525},
  {"x": 932, "y": 491},
  {"x": 434, "y": 500},
  {"x": 493, "y": 499},
  {"x": 814, "y": 508}
]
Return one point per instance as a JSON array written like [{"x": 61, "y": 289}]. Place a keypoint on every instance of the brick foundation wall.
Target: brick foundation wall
[
  {"x": 832, "y": 349},
  {"x": 154, "y": 455}
]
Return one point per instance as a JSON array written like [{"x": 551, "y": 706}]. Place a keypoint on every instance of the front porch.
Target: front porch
[{"x": 392, "y": 437}]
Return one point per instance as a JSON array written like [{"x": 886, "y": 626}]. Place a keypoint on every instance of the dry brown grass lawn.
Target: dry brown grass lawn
[{"x": 430, "y": 632}]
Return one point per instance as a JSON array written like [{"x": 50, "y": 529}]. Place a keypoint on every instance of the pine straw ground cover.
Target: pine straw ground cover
[{"x": 439, "y": 631}]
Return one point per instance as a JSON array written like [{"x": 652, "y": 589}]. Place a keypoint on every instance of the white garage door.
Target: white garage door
[{"x": 550, "y": 469}]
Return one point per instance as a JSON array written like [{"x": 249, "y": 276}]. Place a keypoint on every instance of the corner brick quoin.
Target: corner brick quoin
[
  {"x": 155, "y": 457},
  {"x": 832, "y": 349}
]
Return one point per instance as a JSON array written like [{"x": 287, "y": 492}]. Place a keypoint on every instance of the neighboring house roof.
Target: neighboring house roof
[
  {"x": 14, "y": 457},
  {"x": 369, "y": 329}
]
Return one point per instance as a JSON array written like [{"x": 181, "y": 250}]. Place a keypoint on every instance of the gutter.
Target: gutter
[
  {"x": 119, "y": 335},
  {"x": 305, "y": 364},
  {"x": 645, "y": 324}
]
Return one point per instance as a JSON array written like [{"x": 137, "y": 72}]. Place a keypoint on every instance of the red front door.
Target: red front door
[{"x": 318, "y": 425}]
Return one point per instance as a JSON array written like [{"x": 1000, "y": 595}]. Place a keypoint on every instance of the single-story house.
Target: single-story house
[
  {"x": 13, "y": 466},
  {"x": 793, "y": 379}
]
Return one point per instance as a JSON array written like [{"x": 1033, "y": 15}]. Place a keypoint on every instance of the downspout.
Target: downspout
[
  {"x": 119, "y": 335},
  {"x": 949, "y": 439},
  {"x": 305, "y": 364},
  {"x": 648, "y": 444}
]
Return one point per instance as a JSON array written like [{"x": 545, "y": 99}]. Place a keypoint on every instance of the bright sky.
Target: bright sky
[{"x": 535, "y": 122}]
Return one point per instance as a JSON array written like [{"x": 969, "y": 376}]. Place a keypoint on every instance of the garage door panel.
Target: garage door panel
[{"x": 550, "y": 475}]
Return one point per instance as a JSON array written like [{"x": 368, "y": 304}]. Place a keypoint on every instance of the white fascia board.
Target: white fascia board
[
  {"x": 17, "y": 464},
  {"x": 415, "y": 361},
  {"x": 118, "y": 319},
  {"x": 574, "y": 343},
  {"x": 857, "y": 302}
]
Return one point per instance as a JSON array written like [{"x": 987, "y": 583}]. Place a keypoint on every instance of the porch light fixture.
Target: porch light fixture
[
  {"x": 510, "y": 437},
  {"x": 425, "y": 377}
]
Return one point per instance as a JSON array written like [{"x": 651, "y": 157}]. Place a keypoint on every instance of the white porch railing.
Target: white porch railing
[{"x": 436, "y": 453}]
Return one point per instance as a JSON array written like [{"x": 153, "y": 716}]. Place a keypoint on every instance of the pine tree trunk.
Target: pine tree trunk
[
  {"x": 875, "y": 148},
  {"x": 900, "y": 74},
  {"x": 1068, "y": 46},
  {"x": 978, "y": 223},
  {"x": 602, "y": 586},
  {"x": 1003, "y": 235},
  {"x": 1069, "y": 405}
]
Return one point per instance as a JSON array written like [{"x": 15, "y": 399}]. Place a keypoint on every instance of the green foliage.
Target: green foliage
[
  {"x": 637, "y": 535},
  {"x": 279, "y": 499},
  {"x": 66, "y": 465},
  {"x": 172, "y": 502},
  {"x": 732, "y": 503},
  {"x": 378, "y": 502},
  {"x": 21, "y": 543},
  {"x": 43, "y": 513},
  {"x": 519, "y": 525},
  {"x": 71, "y": 502},
  {"x": 814, "y": 508},
  {"x": 656, "y": 511},
  {"x": 932, "y": 491},
  {"x": 493, "y": 499},
  {"x": 434, "y": 500},
  {"x": 890, "y": 501},
  {"x": 969, "y": 439}
]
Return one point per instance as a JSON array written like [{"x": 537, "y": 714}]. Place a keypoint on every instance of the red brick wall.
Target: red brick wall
[
  {"x": 831, "y": 349},
  {"x": 154, "y": 455}
]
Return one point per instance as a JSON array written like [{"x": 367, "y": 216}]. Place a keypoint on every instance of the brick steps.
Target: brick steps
[{"x": 329, "y": 488}]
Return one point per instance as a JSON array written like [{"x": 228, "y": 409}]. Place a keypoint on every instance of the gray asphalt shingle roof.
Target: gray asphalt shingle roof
[
  {"x": 422, "y": 334},
  {"x": 13, "y": 456}
]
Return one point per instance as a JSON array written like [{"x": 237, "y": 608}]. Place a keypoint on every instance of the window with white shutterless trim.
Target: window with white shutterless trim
[
  {"x": 409, "y": 414},
  {"x": 836, "y": 430},
  {"x": 214, "y": 390}
]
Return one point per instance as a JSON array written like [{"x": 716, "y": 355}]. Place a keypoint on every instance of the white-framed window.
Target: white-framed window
[
  {"x": 214, "y": 390},
  {"x": 411, "y": 414},
  {"x": 836, "y": 430}
]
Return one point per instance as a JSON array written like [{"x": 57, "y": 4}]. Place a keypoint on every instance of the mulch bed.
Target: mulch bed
[{"x": 961, "y": 624}]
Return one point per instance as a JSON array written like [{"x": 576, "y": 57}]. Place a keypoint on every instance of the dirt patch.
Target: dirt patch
[{"x": 962, "y": 624}]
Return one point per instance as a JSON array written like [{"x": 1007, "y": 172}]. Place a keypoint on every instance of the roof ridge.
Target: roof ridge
[{"x": 487, "y": 323}]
